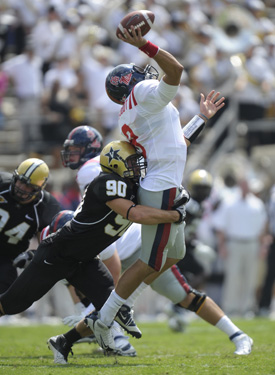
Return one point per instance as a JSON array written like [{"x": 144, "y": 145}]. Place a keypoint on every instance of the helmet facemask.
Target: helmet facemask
[
  {"x": 122, "y": 158},
  {"x": 67, "y": 153},
  {"x": 149, "y": 71},
  {"x": 87, "y": 143},
  {"x": 18, "y": 193},
  {"x": 135, "y": 165}
]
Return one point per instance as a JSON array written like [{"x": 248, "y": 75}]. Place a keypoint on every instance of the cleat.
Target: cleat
[
  {"x": 103, "y": 333},
  {"x": 58, "y": 345},
  {"x": 125, "y": 319},
  {"x": 123, "y": 347},
  {"x": 88, "y": 339},
  {"x": 243, "y": 344}
]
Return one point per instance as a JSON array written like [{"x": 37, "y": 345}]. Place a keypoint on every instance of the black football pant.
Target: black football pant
[
  {"x": 8, "y": 273},
  {"x": 92, "y": 278}
]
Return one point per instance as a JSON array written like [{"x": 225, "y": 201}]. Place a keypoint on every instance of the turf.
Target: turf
[{"x": 201, "y": 350}]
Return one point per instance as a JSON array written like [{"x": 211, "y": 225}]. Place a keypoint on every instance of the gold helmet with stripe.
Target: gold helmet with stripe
[
  {"x": 199, "y": 185},
  {"x": 123, "y": 159},
  {"x": 33, "y": 173}
]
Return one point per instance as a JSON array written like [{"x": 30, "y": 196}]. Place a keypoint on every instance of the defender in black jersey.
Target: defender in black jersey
[
  {"x": 25, "y": 209},
  {"x": 106, "y": 211}
]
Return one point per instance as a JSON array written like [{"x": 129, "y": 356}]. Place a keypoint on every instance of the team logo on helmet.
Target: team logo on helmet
[
  {"x": 126, "y": 79},
  {"x": 113, "y": 154}
]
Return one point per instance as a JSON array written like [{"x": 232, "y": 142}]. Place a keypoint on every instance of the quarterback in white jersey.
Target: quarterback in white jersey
[{"x": 151, "y": 123}]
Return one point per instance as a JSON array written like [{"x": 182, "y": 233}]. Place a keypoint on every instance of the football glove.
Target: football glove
[
  {"x": 23, "y": 259},
  {"x": 179, "y": 204},
  {"x": 181, "y": 199},
  {"x": 72, "y": 320}
]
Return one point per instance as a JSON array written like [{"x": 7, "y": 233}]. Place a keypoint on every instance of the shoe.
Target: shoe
[
  {"x": 88, "y": 339},
  {"x": 103, "y": 333},
  {"x": 125, "y": 319},
  {"x": 123, "y": 346},
  {"x": 243, "y": 344},
  {"x": 58, "y": 345}
]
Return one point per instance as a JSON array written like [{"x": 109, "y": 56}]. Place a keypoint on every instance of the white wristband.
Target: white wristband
[{"x": 193, "y": 128}]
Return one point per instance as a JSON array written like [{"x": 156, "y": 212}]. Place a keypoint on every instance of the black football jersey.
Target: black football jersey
[
  {"x": 95, "y": 226},
  {"x": 20, "y": 222}
]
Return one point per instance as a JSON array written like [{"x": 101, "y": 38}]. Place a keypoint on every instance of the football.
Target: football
[{"x": 139, "y": 18}]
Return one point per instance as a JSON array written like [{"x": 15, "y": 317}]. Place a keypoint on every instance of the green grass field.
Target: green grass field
[{"x": 202, "y": 349}]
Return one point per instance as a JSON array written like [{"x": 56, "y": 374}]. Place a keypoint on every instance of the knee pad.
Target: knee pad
[{"x": 197, "y": 301}]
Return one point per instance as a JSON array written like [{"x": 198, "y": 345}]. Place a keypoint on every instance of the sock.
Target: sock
[
  {"x": 130, "y": 301},
  {"x": 72, "y": 336},
  {"x": 89, "y": 309},
  {"x": 110, "y": 308},
  {"x": 228, "y": 327}
]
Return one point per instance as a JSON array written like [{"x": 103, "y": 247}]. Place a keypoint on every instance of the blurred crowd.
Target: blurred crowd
[{"x": 55, "y": 56}]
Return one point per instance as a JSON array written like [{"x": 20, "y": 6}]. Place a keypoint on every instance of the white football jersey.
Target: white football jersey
[
  {"x": 151, "y": 123},
  {"x": 87, "y": 173}
]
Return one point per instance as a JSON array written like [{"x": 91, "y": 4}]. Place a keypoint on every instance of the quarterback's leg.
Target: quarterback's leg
[{"x": 181, "y": 293}]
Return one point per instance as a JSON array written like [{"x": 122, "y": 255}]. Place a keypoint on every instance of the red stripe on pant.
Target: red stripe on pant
[{"x": 163, "y": 232}]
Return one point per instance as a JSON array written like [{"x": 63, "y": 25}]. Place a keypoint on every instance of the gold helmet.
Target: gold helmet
[
  {"x": 200, "y": 184},
  {"x": 123, "y": 159},
  {"x": 32, "y": 172}
]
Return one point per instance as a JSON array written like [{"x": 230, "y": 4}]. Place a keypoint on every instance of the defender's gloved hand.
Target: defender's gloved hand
[
  {"x": 181, "y": 210},
  {"x": 71, "y": 320},
  {"x": 179, "y": 204},
  {"x": 181, "y": 199}
]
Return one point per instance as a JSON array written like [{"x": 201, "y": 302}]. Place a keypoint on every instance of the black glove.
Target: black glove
[
  {"x": 23, "y": 259},
  {"x": 179, "y": 204}
]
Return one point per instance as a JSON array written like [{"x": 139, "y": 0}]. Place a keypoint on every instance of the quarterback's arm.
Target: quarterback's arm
[
  {"x": 168, "y": 63},
  {"x": 143, "y": 214}
]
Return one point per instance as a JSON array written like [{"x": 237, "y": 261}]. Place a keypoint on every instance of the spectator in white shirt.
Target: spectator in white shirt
[{"x": 240, "y": 226}]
